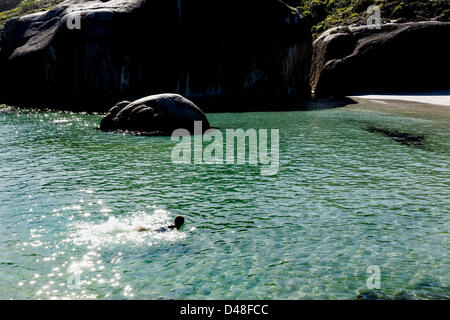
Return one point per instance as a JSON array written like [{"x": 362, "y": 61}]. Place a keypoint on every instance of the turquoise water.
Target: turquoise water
[{"x": 344, "y": 199}]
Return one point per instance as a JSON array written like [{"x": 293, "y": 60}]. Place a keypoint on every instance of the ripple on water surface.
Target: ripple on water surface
[{"x": 72, "y": 198}]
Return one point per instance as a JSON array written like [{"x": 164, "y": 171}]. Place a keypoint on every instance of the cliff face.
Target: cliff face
[
  {"x": 125, "y": 49},
  {"x": 397, "y": 57}
]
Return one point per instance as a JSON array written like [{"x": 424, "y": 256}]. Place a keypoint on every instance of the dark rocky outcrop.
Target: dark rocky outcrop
[
  {"x": 2, "y": 66},
  {"x": 154, "y": 115},
  {"x": 127, "y": 49},
  {"x": 397, "y": 57}
]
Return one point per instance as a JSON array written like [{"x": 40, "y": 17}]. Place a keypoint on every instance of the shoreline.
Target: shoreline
[
  {"x": 437, "y": 98},
  {"x": 424, "y": 102}
]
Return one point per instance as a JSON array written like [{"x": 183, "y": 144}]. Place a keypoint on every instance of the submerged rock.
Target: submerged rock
[
  {"x": 404, "y": 138},
  {"x": 372, "y": 295},
  {"x": 397, "y": 57},
  {"x": 154, "y": 115},
  {"x": 87, "y": 54}
]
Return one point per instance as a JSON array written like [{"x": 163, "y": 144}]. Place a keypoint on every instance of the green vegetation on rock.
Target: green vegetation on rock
[
  {"x": 325, "y": 14},
  {"x": 16, "y": 8}
]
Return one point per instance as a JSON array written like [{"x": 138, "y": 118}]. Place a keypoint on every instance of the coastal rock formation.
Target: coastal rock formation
[
  {"x": 397, "y": 57},
  {"x": 2, "y": 67},
  {"x": 87, "y": 54},
  {"x": 154, "y": 115}
]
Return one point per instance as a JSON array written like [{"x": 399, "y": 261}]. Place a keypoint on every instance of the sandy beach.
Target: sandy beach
[{"x": 441, "y": 98}]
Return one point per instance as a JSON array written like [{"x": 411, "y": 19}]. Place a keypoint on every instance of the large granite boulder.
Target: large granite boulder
[
  {"x": 154, "y": 115},
  {"x": 90, "y": 53},
  {"x": 398, "y": 57},
  {"x": 2, "y": 67}
]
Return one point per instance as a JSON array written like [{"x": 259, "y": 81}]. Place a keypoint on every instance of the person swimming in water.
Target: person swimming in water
[{"x": 178, "y": 223}]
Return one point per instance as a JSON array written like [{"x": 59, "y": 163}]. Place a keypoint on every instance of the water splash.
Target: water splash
[{"x": 118, "y": 230}]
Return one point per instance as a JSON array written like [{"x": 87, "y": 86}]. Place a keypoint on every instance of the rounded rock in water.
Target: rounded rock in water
[{"x": 154, "y": 115}]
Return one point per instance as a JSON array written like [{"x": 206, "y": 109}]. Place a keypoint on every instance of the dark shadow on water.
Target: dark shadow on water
[
  {"x": 270, "y": 105},
  {"x": 329, "y": 103},
  {"x": 403, "y": 138}
]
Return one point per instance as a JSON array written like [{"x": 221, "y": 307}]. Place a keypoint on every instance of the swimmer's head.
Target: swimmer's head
[{"x": 179, "y": 221}]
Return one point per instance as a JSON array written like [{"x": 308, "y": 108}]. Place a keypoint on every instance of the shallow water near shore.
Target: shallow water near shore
[{"x": 71, "y": 199}]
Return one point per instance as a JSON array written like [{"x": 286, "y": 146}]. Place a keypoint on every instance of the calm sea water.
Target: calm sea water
[{"x": 343, "y": 200}]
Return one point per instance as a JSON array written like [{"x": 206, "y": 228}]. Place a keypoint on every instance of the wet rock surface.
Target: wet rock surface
[
  {"x": 398, "y": 57},
  {"x": 154, "y": 115}
]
